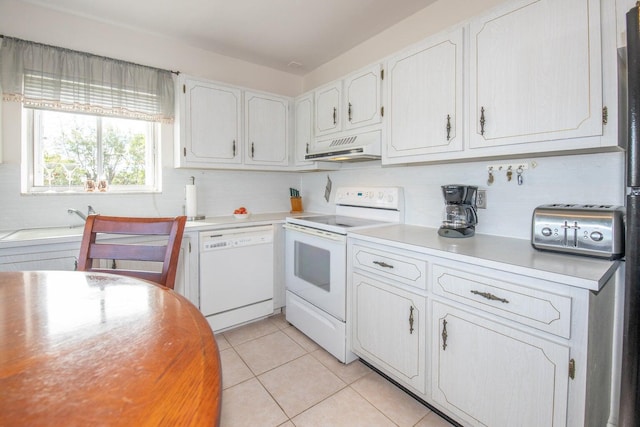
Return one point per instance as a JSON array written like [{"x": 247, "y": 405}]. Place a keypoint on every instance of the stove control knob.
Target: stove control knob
[
  {"x": 546, "y": 232},
  {"x": 597, "y": 236}
]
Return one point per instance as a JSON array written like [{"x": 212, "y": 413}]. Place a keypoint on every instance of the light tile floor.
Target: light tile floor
[{"x": 273, "y": 375}]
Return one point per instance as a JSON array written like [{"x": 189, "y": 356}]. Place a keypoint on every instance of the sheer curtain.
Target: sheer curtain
[{"x": 48, "y": 77}]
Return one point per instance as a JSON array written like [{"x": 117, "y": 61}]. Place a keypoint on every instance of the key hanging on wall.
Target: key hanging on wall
[
  {"x": 519, "y": 172},
  {"x": 490, "y": 178}
]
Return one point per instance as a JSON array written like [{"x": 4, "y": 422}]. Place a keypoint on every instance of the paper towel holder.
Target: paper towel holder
[{"x": 194, "y": 217}]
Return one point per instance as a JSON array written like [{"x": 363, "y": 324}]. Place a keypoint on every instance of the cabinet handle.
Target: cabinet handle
[
  {"x": 252, "y": 150},
  {"x": 113, "y": 264},
  {"x": 75, "y": 265},
  {"x": 411, "y": 320},
  {"x": 383, "y": 264},
  {"x": 234, "y": 148},
  {"x": 490, "y": 296},
  {"x": 572, "y": 369},
  {"x": 482, "y": 120},
  {"x": 448, "y": 127},
  {"x": 335, "y": 116},
  {"x": 444, "y": 334},
  {"x": 349, "y": 112},
  {"x": 307, "y": 148}
]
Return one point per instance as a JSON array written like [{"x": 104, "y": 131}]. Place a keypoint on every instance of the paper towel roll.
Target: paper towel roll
[{"x": 191, "y": 203}]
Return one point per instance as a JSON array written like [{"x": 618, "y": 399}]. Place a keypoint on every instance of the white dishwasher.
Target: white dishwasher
[{"x": 236, "y": 275}]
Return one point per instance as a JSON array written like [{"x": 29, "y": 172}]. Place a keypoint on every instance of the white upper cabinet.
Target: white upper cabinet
[
  {"x": 227, "y": 127},
  {"x": 535, "y": 73},
  {"x": 303, "y": 110},
  {"x": 424, "y": 96},
  {"x": 209, "y": 122},
  {"x": 363, "y": 98},
  {"x": 328, "y": 108},
  {"x": 349, "y": 103},
  {"x": 266, "y": 129}
]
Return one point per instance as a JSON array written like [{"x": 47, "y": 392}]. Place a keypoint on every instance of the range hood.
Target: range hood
[{"x": 354, "y": 148}]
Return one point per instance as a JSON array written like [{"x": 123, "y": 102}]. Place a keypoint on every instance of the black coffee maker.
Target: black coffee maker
[{"x": 460, "y": 217}]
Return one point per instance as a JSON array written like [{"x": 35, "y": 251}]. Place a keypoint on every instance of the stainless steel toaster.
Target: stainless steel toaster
[{"x": 594, "y": 230}]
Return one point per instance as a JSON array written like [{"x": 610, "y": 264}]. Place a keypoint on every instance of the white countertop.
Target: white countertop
[
  {"x": 52, "y": 235},
  {"x": 508, "y": 254}
]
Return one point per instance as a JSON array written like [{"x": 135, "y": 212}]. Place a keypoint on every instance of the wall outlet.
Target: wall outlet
[{"x": 481, "y": 199}]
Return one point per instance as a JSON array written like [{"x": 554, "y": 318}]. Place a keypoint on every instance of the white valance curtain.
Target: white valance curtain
[{"x": 48, "y": 77}]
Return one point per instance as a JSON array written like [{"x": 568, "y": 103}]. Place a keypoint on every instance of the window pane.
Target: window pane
[
  {"x": 79, "y": 152},
  {"x": 65, "y": 148},
  {"x": 125, "y": 151}
]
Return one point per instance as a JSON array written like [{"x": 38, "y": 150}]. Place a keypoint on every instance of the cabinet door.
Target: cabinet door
[
  {"x": 266, "y": 125},
  {"x": 424, "y": 100},
  {"x": 363, "y": 98},
  {"x": 328, "y": 109},
  {"x": 212, "y": 123},
  {"x": 492, "y": 375},
  {"x": 42, "y": 259},
  {"x": 303, "y": 127},
  {"x": 388, "y": 330},
  {"x": 535, "y": 71}
]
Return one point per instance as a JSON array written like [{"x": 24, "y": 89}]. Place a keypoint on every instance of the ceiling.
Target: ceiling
[{"x": 295, "y": 36}]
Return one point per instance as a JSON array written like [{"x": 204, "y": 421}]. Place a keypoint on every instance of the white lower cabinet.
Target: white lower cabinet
[
  {"x": 64, "y": 256},
  {"x": 484, "y": 345},
  {"x": 491, "y": 375},
  {"x": 389, "y": 329},
  {"x": 57, "y": 257}
]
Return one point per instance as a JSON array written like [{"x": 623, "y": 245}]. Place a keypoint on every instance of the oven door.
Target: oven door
[{"x": 316, "y": 268}]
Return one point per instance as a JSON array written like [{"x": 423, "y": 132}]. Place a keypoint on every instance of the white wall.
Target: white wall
[
  {"x": 34, "y": 23},
  {"x": 219, "y": 192},
  {"x": 594, "y": 178},
  {"x": 434, "y": 18},
  {"x": 582, "y": 179}
]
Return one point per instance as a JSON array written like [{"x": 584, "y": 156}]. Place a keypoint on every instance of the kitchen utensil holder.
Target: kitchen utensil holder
[{"x": 296, "y": 204}]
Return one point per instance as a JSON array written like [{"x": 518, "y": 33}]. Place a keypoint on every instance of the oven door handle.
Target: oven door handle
[{"x": 315, "y": 232}]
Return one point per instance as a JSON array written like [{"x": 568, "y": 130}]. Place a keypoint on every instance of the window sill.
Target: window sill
[{"x": 90, "y": 193}]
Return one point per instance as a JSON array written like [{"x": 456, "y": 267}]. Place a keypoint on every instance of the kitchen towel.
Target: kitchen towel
[{"x": 191, "y": 203}]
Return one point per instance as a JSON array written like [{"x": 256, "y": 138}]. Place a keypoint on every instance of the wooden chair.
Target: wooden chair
[{"x": 93, "y": 249}]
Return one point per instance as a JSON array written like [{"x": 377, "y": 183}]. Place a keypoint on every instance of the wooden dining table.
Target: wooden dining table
[{"x": 91, "y": 349}]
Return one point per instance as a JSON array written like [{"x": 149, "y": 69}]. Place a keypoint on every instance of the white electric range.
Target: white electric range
[{"x": 316, "y": 262}]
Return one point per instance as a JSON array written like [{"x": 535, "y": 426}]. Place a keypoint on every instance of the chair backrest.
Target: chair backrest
[{"x": 93, "y": 249}]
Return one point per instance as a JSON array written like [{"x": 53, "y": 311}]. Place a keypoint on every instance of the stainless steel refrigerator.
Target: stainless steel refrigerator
[{"x": 629, "y": 392}]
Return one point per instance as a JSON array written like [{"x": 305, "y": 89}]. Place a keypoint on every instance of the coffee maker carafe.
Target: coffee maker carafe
[{"x": 460, "y": 217}]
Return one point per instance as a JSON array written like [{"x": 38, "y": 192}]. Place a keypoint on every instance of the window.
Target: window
[
  {"x": 78, "y": 152},
  {"x": 92, "y": 121}
]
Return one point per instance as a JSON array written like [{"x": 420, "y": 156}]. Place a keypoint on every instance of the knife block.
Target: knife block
[{"x": 296, "y": 204}]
